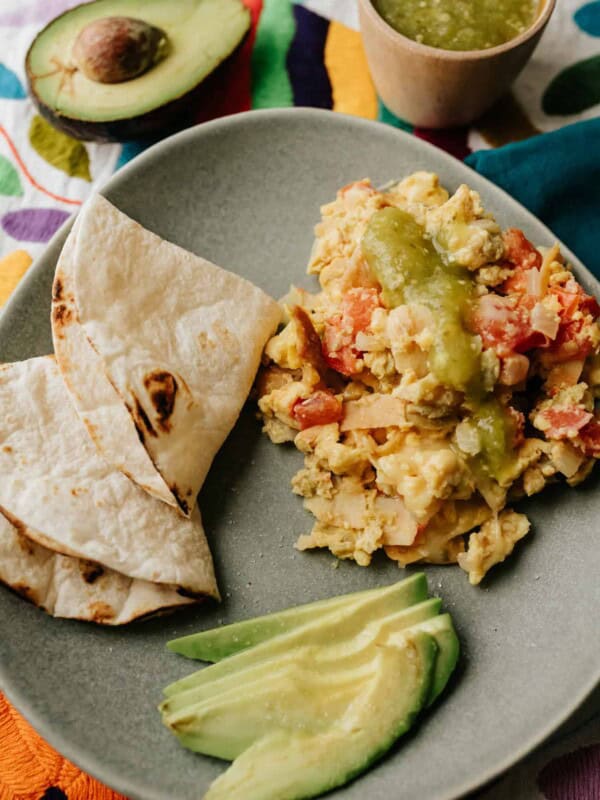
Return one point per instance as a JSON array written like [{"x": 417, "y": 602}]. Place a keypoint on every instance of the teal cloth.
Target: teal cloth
[{"x": 557, "y": 177}]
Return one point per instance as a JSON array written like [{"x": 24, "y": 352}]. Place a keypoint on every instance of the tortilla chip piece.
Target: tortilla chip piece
[
  {"x": 57, "y": 490},
  {"x": 158, "y": 346},
  {"x": 70, "y": 587}
]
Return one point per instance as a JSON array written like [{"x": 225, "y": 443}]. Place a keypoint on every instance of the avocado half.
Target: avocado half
[{"x": 198, "y": 35}]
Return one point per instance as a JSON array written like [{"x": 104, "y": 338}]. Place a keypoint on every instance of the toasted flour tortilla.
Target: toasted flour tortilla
[
  {"x": 57, "y": 489},
  {"x": 69, "y": 587},
  {"x": 158, "y": 347}
]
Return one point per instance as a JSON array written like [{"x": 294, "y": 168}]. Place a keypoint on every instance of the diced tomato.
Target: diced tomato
[
  {"x": 589, "y": 304},
  {"x": 572, "y": 298},
  {"x": 572, "y": 341},
  {"x": 343, "y": 360},
  {"x": 565, "y": 422},
  {"x": 320, "y": 408},
  {"x": 590, "y": 438},
  {"x": 504, "y": 325},
  {"x": 515, "y": 283},
  {"x": 340, "y": 332},
  {"x": 358, "y": 306},
  {"x": 522, "y": 256},
  {"x": 519, "y": 250}
]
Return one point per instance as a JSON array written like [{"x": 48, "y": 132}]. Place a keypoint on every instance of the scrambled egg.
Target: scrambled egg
[{"x": 402, "y": 454}]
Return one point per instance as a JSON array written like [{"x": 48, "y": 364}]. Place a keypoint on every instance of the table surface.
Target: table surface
[{"x": 299, "y": 53}]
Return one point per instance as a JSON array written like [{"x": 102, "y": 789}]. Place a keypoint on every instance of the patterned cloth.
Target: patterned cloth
[{"x": 309, "y": 54}]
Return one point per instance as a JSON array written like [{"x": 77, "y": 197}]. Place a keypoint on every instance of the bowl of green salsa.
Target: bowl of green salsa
[{"x": 440, "y": 63}]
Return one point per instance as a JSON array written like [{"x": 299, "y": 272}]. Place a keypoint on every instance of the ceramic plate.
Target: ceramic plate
[{"x": 245, "y": 192}]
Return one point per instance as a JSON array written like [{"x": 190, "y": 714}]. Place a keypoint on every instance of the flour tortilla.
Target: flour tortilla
[
  {"x": 158, "y": 347},
  {"x": 57, "y": 489},
  {"x": 70, "y": 587}
]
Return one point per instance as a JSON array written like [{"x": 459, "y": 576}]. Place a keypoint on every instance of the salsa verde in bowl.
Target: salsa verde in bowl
[
  {"x": 438, "y": 81},
  {"x": 459, "y": 24}
]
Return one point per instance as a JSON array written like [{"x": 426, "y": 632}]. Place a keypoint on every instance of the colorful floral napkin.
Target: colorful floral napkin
[{"x": 305, "y": 53}]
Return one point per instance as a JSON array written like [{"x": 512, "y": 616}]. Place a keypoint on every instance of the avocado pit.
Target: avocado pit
[{"x": 117, "y": 49}]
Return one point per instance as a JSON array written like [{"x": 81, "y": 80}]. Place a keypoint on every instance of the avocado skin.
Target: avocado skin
[
  {"x": 165, "y": 119},
  {"x": 172, "y": 116}
]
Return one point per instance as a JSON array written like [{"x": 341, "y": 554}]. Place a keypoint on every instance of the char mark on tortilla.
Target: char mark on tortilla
[
  {"x": 162, "y": 389},
  {"x": 141, "y": 420},
  {"x": 181, "y": 501},
  {"x": 25, "y": 544},
  {"x": 90, "y": 572},
  {"x": 61, "y": 316},
  {"x": 25, "y": 591},
  {"x": 57, "y": 290},
  {"x": 101, "y": 612}
]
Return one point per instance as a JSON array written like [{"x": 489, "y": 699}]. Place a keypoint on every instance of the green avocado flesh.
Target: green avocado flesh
[
  {"x": 350, "y": 653},
  {"x": 459, "y": 24},
  {"x": 319, "y": 697},
  {"x": 201, "y": 34},
  {"x": 411, "y": 269},
  {"x": 213, "y": 645},
  {"x": 299, "y": 763},
  {"x": 345, "y": 620}
]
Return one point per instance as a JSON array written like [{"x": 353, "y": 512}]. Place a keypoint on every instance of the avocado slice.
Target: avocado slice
[
  {"x": 296, "y": 764},
  {"x": 185, "y": 42},
  {"x": 343, "y": 622},
  {"x": 442, "y": 630},
  {"x": 218, "y": 643},
  {"x": 294, "y": 696},
  {"x": 336, "y": 657}
]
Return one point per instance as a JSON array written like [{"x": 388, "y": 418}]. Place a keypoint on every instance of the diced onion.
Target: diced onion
[
  {"x": 373, "y": 411},
  {"x": 467, "y": 438},
  {"x": 544, "y": 320},
  {"x": 367, "y": 343},
  {"x": 567, "y": 459},
  {"x": 534, "y": 282},
  {"x": 514, "y": 369},
  {"x": 345, "y": 509},
  {"x": 400, "y": 526}
]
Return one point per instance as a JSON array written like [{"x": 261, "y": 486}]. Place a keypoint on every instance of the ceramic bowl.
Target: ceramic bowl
[{"x": 436, "y": 88}]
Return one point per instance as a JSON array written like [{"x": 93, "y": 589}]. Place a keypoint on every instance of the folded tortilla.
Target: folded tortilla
[
  {"x": 158, "y": 347},
  {"x": 70, "y": 587},
  {"x": 59, "y": 492}
]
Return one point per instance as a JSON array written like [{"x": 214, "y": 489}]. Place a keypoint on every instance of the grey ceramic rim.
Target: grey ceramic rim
[{"x": 545, "y": 593}]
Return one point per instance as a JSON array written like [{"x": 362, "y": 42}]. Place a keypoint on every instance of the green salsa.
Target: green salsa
[
  {"x": 459, "y": 24},
  {"x": 410, "y": 270}
]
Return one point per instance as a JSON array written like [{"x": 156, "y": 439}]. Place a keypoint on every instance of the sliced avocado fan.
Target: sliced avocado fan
[
  {"x": 308, "y": 698},
  {"x": 349, "y": 653},
  {"x": 340, "y": 624},
  {"x": 218, "y": 643},
  {"x": 114, "y": 69},
  {"x": 289, "y": 765}
]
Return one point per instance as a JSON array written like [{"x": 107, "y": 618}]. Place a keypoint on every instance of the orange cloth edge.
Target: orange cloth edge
[{"x": 29, "y": 766}]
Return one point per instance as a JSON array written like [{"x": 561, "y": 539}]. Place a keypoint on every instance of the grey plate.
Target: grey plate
[{"x": 245, "y": 192}]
